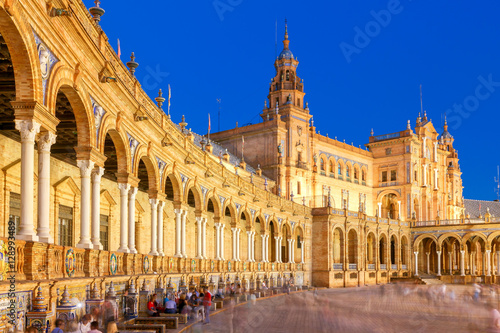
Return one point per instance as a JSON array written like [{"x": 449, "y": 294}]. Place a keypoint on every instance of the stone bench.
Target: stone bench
[
  {"x": 183, "y": 318},
  {"x": 169, "y": 322},
  {"x": 156, "y": 328}
]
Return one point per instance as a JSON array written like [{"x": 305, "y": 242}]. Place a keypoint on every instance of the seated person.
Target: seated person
[
  {"x": 170, "y": 305},
  {"x": 151, "y": 307},
  {"x": 196, "y": 306}
]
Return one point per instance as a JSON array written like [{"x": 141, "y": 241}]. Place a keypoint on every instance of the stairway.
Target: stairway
[{"x": 429, "y": 279}]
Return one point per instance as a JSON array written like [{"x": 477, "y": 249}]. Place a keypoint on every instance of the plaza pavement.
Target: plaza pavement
[{"x": 390, "y": 308}]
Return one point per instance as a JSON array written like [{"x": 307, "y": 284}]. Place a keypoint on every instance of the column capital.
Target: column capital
[
  {"x": 462, "y": 251},
  {"x": 86, "y": 167},
  {"x": 124, "y": 177},
  {"x": 33, "y": 110},
  {"x": 153, "y": 202},
  {"x": 438, "y": 253},
  {"x": 90, "y": 153},
  {"x": 161, "y": 204},
  {"x": 45, "y": 141},
  {"x": 97, "y": 173},
  {"x": 124, "y": 187},
  {"x": 28, "y": 129},
  {"x": 415, "y": 252},
  {"x": 132, "y": 192}
]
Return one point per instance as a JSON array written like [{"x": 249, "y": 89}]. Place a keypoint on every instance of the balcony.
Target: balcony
[
  {"x": 353, "y": 267},
  {"x": 383, "y": 267},
  {"x": 371, "y": 267},
  {"x": 338, "y": 267}
]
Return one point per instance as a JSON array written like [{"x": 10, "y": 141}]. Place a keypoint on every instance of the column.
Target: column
[
  {"x": 131, "y": 219},
  {"x": 292, "y": 258},
  {"x": 277, "y": 244},
  {"x": 124, "y": 189},
  {"x": 204, "y": 238},
  {"x": 154, "y": 219},
  {"x": 428, "y": 262},
  {"x": 450, "y": 262},
  {"x": 425, "y": 174},
  {"x": 217, "y": 241},
  {"x": 302, "y": 252},
  {"x": 435, "y": 152},
  {"x": 178, "y": 217},
  {"x": 44, "y": 144},
  {"x": 473, "y": 259},
  {"x": 416, "y": 263},
  {"x": 86, "y": 167},
  {"x": 484, "y": 264},
  {"x": 399, "y": 210},
  {"x": 379, "y": 209},
  {"x": 436, "y": 178},
  {"x": 161, "y": 204},
  {"x": 263, "y": 247},
  {"x": 222, "y": 241},
  {"x": 462, "y": 263},
  {"x": 488, "y": 262},
  {"x": 198, "y": 237},
  {"x": 183, "y": 233},
  {"x": 439, "y": 263},
  {"x": 233, "y": 230},
  {"x": 96, "y": 207},
  {"x": 249, "y": 245},
  {"x": 238, "y": 244},
  {"x": 498, "y": 263},
  {"x": 29, "y": 129},
  {"x": 267, "y": 248}
]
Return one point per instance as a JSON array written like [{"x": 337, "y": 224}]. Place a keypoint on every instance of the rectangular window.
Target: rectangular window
[
  {"x": 277, "y": 101},
  {"x": 384, "y": 176},
  {"x": 298, "y": 188},
  {"x": 393, "y": 175},
  {"x": 65, "y": 226},
  {"x": 15, "y": 209},
  {"x": 103, "y": 232}
]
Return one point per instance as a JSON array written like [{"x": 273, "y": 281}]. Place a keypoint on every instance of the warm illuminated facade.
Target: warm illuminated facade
[{"x": 104, "y": 191}]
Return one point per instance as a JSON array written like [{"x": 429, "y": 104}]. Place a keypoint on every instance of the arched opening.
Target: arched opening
[
  {"x": 285, "y": 244},
  {"x": 142, "y": 174},
  {"x": 353, "y": 249},
  {"x": 382, "y": 247},
  {"x": 393, "y": 252},
  {"x": 332, "y": 168},
  {"x": 322, "y": 164},
  {"x": 371, "y": 249},
  {"x": 404, "y": 252},
  {"x": 228, "y": 234},
  {"x": 299, "y": 238},
  {"x": 169, "y": 189},
  {"x": 338, "y": 249},
  {"x": 272, "y": 243},
  {"x": 191, "y": 201},
  {"x": 389, "y": 206},
  {"x": 427, "y": 257},
  {"x": 211, "y": 236},
  {"x": 259, "y": 229}
]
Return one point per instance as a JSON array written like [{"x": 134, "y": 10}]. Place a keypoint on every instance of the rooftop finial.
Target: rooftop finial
[
  {"x": 96, "y": 11},
  {"x": 132, "y": 64},
  {"x": 286, "y": 42}
]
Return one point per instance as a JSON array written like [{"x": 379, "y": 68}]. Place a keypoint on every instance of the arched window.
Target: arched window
[
  {"x": 339, "y": 170},
  {"x": 322, "y": 164},
  {"x": 347, "y": 171},
  {"x": 332, "y": 170},
  {"x": 288, "y": 75},
  {"x": 363, "y": 175},
  {"x": 356, "y": 175}
]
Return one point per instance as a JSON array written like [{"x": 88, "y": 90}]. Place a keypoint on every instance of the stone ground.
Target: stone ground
[{"x": 390, "y": 308}]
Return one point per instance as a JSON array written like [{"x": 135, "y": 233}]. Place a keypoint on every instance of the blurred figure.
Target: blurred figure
[
  {"x": 84, "y": 324},
  {"x": 152, "y": 311},
  {"x": 94, "y": 327},
  {"x": 72, "y": 327},
  {"x": 477, "y": 292},
  {"x": 494, "y": 319},
  {"x": 111, "y": 328},
  {"x": 31, "y": 329},
  {"x": 59, "y": 326}
]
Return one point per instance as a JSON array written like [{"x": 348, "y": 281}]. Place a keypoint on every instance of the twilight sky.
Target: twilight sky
[{"x": 362, "y": 63}]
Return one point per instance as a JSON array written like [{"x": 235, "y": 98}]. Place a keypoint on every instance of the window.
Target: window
[
  {"x": 347, "y": 172},
  {"x": 415, "y": 175},
  {"x": 103, "y": 232},
  {"x": 339, "y": 170},
  {"x": 281, "y": 76},
  {"x": 356, "y": 175},
  {"x": 15, "y": 209},
  {"x": 322, "y": 164},
  {"x": 384, "y": 176},
  {"x": 299, "y": 245},
  {"x": 298, "y": 102},
  {"x": 288, "y": 75},
  {"x": 65, "y": 226},
  {"x": 363, "y": 175},
  {"x": 298, "y": 188},
  {"x": 277, "y": 101},
  {"x": 393, "y": 175},
  {"x": 332, "y": 170}
]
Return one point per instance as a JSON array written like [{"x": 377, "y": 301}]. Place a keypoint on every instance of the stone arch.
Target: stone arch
[
  {"x": 193, "y": 196},
  {"x": 341, "y": 168},
  {"x": 151, "y": 169},
  {"x": 383, "y": 241},
  {"x": 385, "y": 192},
  {"x": 322, "y": 162},
  {"x": 213, "y": 201},
  {"x": 331, "y": 165},
  {"x": 419, "y": 239},
  {"x": 122, "y": 152},
  {"x": 447, "y": 235},
  {"x": 404, "y": 250},
  {"x": 80, "y": 104},
  {"x": 245, "y": 218},
  {"x": 469, "y": 235},
  {"x": 20, "y": 41},
  {"x": 348, "y": 170},
  {"x": 173, "y": 187},
  {"x": 352, "y": 246},
  {"x": 230, "y": 208},
  {"x": 371, "y": 248}
]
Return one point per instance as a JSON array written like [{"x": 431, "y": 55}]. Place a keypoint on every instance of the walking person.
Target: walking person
[{"x": 207, "y": 302}]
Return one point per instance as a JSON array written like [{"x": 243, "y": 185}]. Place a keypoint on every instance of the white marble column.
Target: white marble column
[
  {"x": 302, "y": 252},
  {"x": 277, "y": 244},
  {"x": 131, "y": 219},
  {"x": 183, "y": 233},
  {"x": 178, "y": 217},
  {"x": 249, "y": 245},
  {"x": 204, "y": 238},
  {"x": 450, "y": 262},
  {"x": 96, "y": 207},
  {"x": 161, "y": 204},
  {"x": 44, "y": 144},
  {"x": 280, "y": 252},
  {"x": 439, "y": 263},
  {"x": 292, "y": 256},
  {"x": 217, "y": 241},
  {"x": 416, "y": 263},
  {"x": 462, "y": 263},
  {"x": 263, "y": 247},
  {"x": 379, "y": 209},
  {"x": 289, "y": 241},
  {"x": 124, "y": 189},
  {"x": 488, "y": 262},
  {"x": 154, "y": 220},
  {"x": 238, "y": 244},
  {"x": 199, "y": 221},
  {"x": 428, "y": 262},
  {"x": 86, "y": 167},
  {"x": 498, "y": 263},
  {"x": 253, "y": 246},
  {"x": 233, "y": 230},
  {"x": 28, "y": 129},
  {"x": 222, "y": 242},
  {"x": 267, "y": 248}
]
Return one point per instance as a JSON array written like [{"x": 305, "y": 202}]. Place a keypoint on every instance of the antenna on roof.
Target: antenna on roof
[{"x": 497, "y": 181}]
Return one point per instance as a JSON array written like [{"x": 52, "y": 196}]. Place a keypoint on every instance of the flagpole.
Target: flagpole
[{"x": 242, "y": 148}]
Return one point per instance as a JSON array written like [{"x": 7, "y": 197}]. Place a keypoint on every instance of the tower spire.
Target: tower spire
[{"x": 286, "y": 41}]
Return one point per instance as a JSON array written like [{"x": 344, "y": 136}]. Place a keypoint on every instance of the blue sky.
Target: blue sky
[{"x": 354, "y": 81}]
